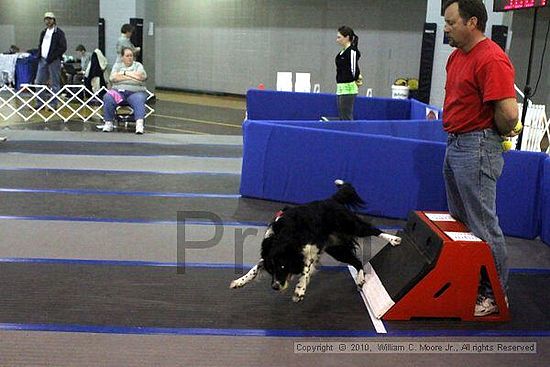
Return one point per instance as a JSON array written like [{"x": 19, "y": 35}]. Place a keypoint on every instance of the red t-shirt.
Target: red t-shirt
[{"x": 474, "y": 80}]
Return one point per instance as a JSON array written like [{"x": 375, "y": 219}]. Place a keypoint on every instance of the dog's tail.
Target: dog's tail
[{"x": 346, "y": 195}]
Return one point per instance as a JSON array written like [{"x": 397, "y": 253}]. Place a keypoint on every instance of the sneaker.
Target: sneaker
[
  {"x": 485, "y": 306},
  {"x": 324, "y": 119},
  {"x": 139, "y": 126},
  {"x": 3, "y": 138},
  {"x": 108, "y": 127}
]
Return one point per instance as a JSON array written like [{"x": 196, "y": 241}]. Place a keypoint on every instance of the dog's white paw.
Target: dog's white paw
[
  {"x": 360, "y": 279},
  {"x": 393, "y": 240},
  {"x": 236, "y": 284},
  {"x": 299, "y": 294}
]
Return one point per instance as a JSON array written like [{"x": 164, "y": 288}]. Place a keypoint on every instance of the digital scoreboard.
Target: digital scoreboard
[{"x": 508, "y": 5}]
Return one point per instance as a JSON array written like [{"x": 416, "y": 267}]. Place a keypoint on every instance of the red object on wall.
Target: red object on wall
[{"x": 450, "y": 289}]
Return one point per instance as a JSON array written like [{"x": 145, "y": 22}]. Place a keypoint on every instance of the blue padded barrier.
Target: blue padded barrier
[
  {"x": 545, "y": 202},
  {"x": 419, "y": 110},
  {"x": 412, "y": 129},
  {"x": 392, "y": 154},
  {"x": 272, "y": 105},
  {"x": 375, "y": 108},
  {"x": 296, "y": 163},
  {"x": 519, "y": 194},
  {"x": 299, "y": 164}
]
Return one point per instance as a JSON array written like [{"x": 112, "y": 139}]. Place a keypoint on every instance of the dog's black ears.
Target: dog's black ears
[{"x": 266, "y": 247}]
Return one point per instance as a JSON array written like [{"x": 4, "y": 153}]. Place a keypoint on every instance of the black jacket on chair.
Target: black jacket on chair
[{"x": 95, "y": 72}]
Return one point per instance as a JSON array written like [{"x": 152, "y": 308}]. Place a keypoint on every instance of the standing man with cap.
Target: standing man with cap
[{"x": 51, "y": 47}]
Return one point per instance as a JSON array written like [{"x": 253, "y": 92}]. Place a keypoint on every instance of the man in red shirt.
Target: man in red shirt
[{"x": 480, "y": 107}]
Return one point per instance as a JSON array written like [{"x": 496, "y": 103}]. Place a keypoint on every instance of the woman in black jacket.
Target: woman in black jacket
[{"x": 348, "y": 76}]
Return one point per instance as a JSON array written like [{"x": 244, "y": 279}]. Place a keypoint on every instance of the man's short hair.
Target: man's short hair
[
  {"x": 80, "y": 48},
  {"x": 470, "y": 8},
  {"x": 127, "y": 28}
]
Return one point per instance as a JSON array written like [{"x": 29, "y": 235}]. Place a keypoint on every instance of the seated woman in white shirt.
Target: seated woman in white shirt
[{"x": 127, "y": 84}]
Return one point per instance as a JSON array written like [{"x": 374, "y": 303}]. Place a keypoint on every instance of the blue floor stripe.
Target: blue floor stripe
[
  {"x": 264, "y": 333},
  {"x": 26, "y": 260},
  {"x": 115, "y": 262},
  {"x": 121, "y": 193},
  {"x": 128, "y": 143},
  {"x": 467, "y": 333},
  {"x": 101, "y": 155},
  {"x": 121, "y": 171},
  {"x": 131, "y": 220},
  {"x": 183, "y": 331},
  {"x": 530, "y": 271},
  {"x": 31, "y": 260},
  {"x": 151, "y": 221}
]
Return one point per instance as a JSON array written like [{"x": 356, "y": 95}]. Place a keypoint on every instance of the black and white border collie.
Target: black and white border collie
[{"x": 297, "y": 236}]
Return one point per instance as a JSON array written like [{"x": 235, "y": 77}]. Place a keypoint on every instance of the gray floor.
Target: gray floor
[
  {"x": 84, "y": 349},
  {"x": 43, "y": 194},
  {"x": 170, "y": 117}
]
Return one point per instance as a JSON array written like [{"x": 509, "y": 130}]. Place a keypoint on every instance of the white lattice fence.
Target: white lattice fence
[
  {"x": 71, "y": 103},
  {"x": 536, "y": 130}
]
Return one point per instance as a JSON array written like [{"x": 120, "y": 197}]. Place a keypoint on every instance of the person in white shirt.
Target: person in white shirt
[{"x": 51, "y": 48}]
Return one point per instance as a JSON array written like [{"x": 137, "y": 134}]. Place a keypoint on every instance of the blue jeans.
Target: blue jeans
[
  {"x": 47, "y": 72},
  {"x": 136, "y": 100},
  {"x": 473, "y": 164}
]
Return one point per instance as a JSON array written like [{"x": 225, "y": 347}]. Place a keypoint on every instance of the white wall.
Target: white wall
[
  {"x": 8, "y": 37},
  {"x": 116, "y": 13},
  {"x": 21, "y": 22},
  {"x": 231, "y": 46}
]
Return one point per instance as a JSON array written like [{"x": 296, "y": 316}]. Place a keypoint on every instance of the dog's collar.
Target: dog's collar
[{"x": 278, "y": 215}]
